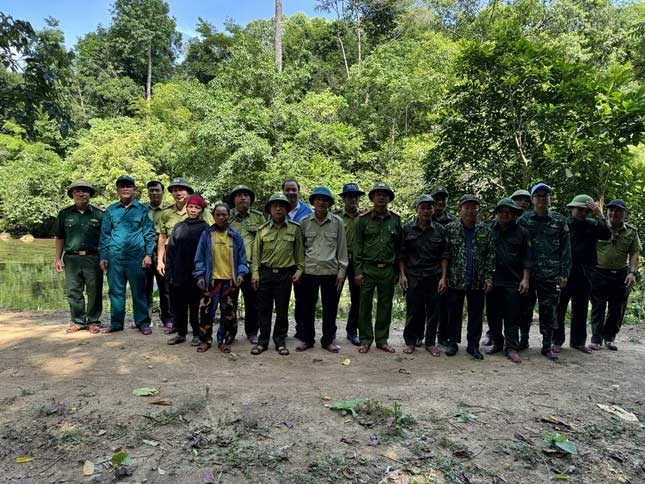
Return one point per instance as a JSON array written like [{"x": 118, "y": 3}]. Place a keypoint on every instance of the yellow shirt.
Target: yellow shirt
[{"x": 222, "y": 264}]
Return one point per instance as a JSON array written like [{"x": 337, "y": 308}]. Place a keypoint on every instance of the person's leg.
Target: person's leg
[
  {"x": 385, "y": 296},
  {"x": 74, "y": 284},
  {"x": 354, "y": 297},
  {"x": 567, "y": 294},
  {"x": 309, "y": 298},
  {"x": 299, "y": 309},
  {"x": 444, "y": 319},
  {"x": 579, "y": 311},
  {"x": 193, "y": 293},
  {"x": 432, "y": 308},
  {"x": 207, "y": 308},
  {"x": 616, "y": 304},
  {"x": 415, "y": 314},
  {"x": 265, "y": 307},
  {"x": 365, "y": 328},
  {"x": 94, "y": 286},
  {"x": 164, "y": 299},
  {"x": 282, "y": 295},
  {"x": 512, "y": 302},
  {"x": 455, "y": 302},
  {"x": 476, "y": 298},
  {"x": 600, "y": 291},
  {"x": 547, "y": 293},
  {"x": 495, "y": 314},
  {"x": 228, "y": 311},
  {"x": 137, "y": 280},
  {"x": 527, "y": 306},
  {"x": 179, "y": 297},
  {"x": 117, "y": 278},
  {"x": 329, "y": 298}
]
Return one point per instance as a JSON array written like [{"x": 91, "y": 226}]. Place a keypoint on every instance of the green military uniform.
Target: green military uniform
[
  {"x": 81, "y": 231},
  {"x": 278, "y": 255},
  {"x": 171, "y": 216},
  {"x": 376, "y": 250}
]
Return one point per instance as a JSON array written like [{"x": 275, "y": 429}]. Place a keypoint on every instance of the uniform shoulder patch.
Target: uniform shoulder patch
[
  {"x": 257, "y": 212},
  {"x": 364, "y": 213},
  {"x": 94, "y": 207},
  {"x": 265, "y": 224}
]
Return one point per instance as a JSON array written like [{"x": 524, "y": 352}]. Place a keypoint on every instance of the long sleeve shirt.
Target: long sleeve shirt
[
  {"x": 550, "y": 245},
  {"x": 126, "y": 232},
  {"x": 325, "y": 246}
]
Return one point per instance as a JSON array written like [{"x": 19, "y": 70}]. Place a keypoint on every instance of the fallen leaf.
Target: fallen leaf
[
  {"x": 161, "y": 402},
  {"x": 88, "y": 468},
  {"x": 619, "y": 412},
  {"x": 560, "y": 477},
  {"x": 324, "y": 397},
  {"x": 145, "y": 392},
  {"x": 555, "y": 420},
  {"x": 161, "y": 471},
  {"x": 152, "y": 443},
  {"x": 289, "y": 424},
  {"x": 22, "y": 460},
  {"x": 404, "y": 371},
  {"x": 120, "y": 458},
  {"x": 25, "y": 480},
  {"x": 101, "y": 432},
  {"x": 346, "y": 362}
]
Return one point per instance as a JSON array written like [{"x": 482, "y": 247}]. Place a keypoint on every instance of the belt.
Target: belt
[
  {"x": 612, "y": 271},
  {"x": 81, "y": 252},
  {"x": 380, "y": 265},
  {"x": 277, "y": 270}
]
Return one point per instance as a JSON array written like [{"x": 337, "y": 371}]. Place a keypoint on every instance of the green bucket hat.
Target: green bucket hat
[
  {"x": 321, "y": 191},
  {"x": 180, "y": 182},
  {"x": 506, "y": 202},
  {"x": 423, "y": 198},
  {"x": 80, "y": 184},
  {"x": 579, "y": 201},
  {"x": 521, "y": 193},
  {"x": 381, "y": 187},
  {"x": 277, "y": 197},
  {"x": 241, "y": 188}
]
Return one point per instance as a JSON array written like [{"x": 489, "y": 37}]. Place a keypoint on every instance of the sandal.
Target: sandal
[
  {"x": 363, "y": 348},
  {"x": 257, "y": 349},
  {"x": 73, "y": 328},
  {"x": 94, "y": 328},
  {"x": 333, "y": 348},
  {"x": 282, "y": 350},
  {"x": 175, "y": 340},
  {"x": 110, "y": 329},
  {"x": 434, "y": 350},
  {"x": 583, "y": 348},
  {"x": 224, "y": 347},
  {"x": 169, "y": 329},
  {"x": 146, "y": 331},
  {"x": 194, "y": 341},
  {"x": 387, "y": 348},
  {"x": 409, "y": 349},
  {"x": 514, "y": 357},
  {"x": 203, "y": 347}
]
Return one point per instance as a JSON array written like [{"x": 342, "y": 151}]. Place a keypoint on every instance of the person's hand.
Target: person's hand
[
  {"x": 524, "y": 286},
  {"x": 147, "y": 262},
  {"x": 595, "y": 208},
  {"x": 443, "y": 286},
  {"x": 103, "y": 265},
  {"x": 563, "y": 282},
  {"x": 403, "y": 282},
  {"x": 161, "y": 268},
  {"x": 488, "y": 286},
  {"x": 295, "y": 279},
  {"x": 359, "y": 280},
  {"x": 201, "y": 283},
  {"x": 339, "y": 283},
  {"x": 630, "y": 280},
  {"x": 239, "y": 280},
  {"x": 59, "y": 265},
  {"x": 255, "y": 283}
]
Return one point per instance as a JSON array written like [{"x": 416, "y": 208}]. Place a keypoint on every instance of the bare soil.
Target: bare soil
[{"x": 66, "y": 399}]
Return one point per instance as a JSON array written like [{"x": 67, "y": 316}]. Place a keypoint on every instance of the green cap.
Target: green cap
[
  {"x": 80, "y": 184},
  {"x": 277, "y": 197},
  {"x": 439, "y": 190},
  {"x": 381, "y": 187},
  {"x": 506, "y": 202},
  {"x": 180, "y": 182},
  {"x": 579, "y": 201},
  {"x": 469, "y": 197},
  {"x": 321, "y": 191},
  {"x": 423, "y": 198},
  {"x": 125, "y": 179},
  {"x": 521, "y": 193},
  {"x": 241, "y": 188}
]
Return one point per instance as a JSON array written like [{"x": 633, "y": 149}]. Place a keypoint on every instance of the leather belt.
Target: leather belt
[{"x": 81, "y": 252}]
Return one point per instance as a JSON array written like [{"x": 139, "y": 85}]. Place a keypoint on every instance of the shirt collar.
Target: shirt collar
[
  {"x": 416, "y": 224},
  {"x": 327, "y": 218},
  {"x": 237, "y": 214},
  {"x": 273, "y": 224},
  {"x": 373, "y": 214}
]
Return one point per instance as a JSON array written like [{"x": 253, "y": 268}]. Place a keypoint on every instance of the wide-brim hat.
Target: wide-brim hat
[
  {"x": 277, "y": 198},
  {"x": 351, "y": 189},
  {"x": 180, "y": 182},
  {"x": 580, "y": 201},
  {"x": 80, "y": 184},
  {"x": 424, "y": 198},
  {"x": 521, "y": 193},
  {"x": 507, "y": 202},
  {"x": 321, "y": 191},
  {"x": 381, "y": 187},
  {"x": 241, "y": 188}
]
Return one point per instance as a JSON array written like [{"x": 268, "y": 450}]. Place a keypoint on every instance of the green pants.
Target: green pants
[
  {"x": 83, "y": 274},
  {"x": 380, "y": 279},
  {"x": 120, "y": 273}
]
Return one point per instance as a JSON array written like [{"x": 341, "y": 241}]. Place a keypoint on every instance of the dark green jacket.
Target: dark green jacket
[
  {"x": 377, "y": 240},
  {"x": 550, "y": 245},
  {"x": 80, "y": 231},
  {"x": 483, "y": 256}
]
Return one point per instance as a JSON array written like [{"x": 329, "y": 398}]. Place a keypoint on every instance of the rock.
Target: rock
[
  {"x": 5, "y": 236},
  {"x": 27, "y": 238}
]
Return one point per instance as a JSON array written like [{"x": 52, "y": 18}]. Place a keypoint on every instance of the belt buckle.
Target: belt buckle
[
  {"x": 380, "y": 266},
  {"x": 82, "y": 252},
  {"x": 275, "y": 271}
]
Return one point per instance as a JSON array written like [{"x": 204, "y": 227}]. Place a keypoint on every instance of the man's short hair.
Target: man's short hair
[
  {"x": 154, "y": 183},
  {"x": 292, "y": 180}
]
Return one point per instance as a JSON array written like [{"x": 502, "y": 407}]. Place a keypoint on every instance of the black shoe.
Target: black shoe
[
  {"x": 474, "y": 352},
  {"x": 353, "y": 339},
  {"x": 611, "y": 346},
  {"x": 524, "y": 344},
  {"x": 549, "y": 354},
  {"x": 451, "y": 349},
  {"x": 419, "y": 343}
]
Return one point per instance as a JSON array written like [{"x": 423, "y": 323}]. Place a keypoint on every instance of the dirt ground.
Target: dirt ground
[{"x": 67, "y": 399}]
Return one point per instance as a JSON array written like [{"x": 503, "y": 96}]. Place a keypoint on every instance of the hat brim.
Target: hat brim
[
  {"x": 188, "y": 189},
  {"x": 231, "y": 197},
  {"x": 390, "y": 193},
  {"x": 615, "y": 205},
  {"x": 268, "y": 204},
  {"x": 89, "y": 189},
  {"x": 360, "y": 193},
  {"x": 311, "y": 198},
  {"x": 577, "y": 205},
  {"x": 515, "y": 209}
]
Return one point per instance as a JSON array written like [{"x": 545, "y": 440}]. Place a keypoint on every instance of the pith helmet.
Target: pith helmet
[
  {"x": 80, "y": 184},
  {"x": 506, "y": 202},
  {"x": 580, "y": 201},
  {"x": 520, "y": 193},
  {"x": 180, "y": 182},
  {"x": 277, "y": 197},
  {"x": 321, "y": 191},
  {"x": 424, "y": 198},
  {"x": 381, "y": 187},
  {"x": 439, "y": 190},
  {"x": 241, "y": 188}
]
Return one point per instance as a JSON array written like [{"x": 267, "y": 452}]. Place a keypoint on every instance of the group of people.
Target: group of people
[{"x": 202, "y": 259}]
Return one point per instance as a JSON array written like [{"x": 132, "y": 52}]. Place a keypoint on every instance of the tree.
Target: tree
[
  {"x": 206, "y": 53},
  {"x": 278, "y": 35},
  {"x": 15, "y": 38}
]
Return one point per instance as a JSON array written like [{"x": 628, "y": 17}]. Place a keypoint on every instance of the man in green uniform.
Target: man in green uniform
[
  {"x": 246, "y": 220},
  {"x": 614, "y": 277},
  {"x": 550, "y": 261},
  {"x": 376, "y": 252},
  {"x": 77, "y": 232},
  {"x": 155, "y": 194},
  {"x": 471, "y": 265},
  {"x": 278, "y": 262},
  {"x": 522, "y": 199},
  {"x": 349, "y": 213}
]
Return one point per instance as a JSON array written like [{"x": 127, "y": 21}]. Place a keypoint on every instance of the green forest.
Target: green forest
[{"x": 480, "y": 97}]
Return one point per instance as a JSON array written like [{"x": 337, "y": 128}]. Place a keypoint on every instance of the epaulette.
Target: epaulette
[
  {"x": 365, "y": 212},
  {"x": 394, "y": 214},
  {"x": 265, "y": 224},
  {"x": 97, "y": 208},
  {"x": 253, "y": 210},
  {"x": 294, "y": 223}
]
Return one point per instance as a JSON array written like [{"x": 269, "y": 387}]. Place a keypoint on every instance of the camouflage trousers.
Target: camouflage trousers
[
  {"x": 223, "y": 294},
  {"x": 547, "y": 296}
]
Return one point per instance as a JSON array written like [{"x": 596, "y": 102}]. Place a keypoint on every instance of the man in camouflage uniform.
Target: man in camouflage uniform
[
  {"x": 349, "y": 213},
  {"x": 246, "y": 220},
  {"x": 376, "y": 251},
  {"x": 522, "y": 199},
  {"x": 470, "y": 275},
  {"x": 441, "y": 216},
  {"x": 77, "y": 231},
  {"x": 551, "y": 261},
  {"x": 614, "y": 277}
]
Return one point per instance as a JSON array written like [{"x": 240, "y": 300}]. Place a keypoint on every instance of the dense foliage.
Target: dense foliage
[{"x": 480, "y": 97}]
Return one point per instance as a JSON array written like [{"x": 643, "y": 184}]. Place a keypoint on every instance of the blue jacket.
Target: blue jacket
[
  {"x": 126, "y": 233},
  {"x": 302, "y": 210},
  {"x": 204, "y": 255}
]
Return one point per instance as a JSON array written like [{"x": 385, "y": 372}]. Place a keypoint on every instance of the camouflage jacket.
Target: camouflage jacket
[
  {"x": 483, "y": 255},
  {"x": 550, "y": 245}
]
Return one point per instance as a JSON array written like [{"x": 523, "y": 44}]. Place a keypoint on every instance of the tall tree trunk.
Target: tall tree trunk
[
  {"x": 149, "y": 79},
  {"x": 342, "y": 49},
  {"x": 278, "y": 35}
]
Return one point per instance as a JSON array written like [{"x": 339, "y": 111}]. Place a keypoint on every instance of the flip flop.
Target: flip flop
[
  {"x": 409, "y": 349},
  {"x": 257, "y": 349},
  {"x": 203, "y": 347},
  {"x": 94, "y": 328},
  {"x": 387, "y": 348},
  {"x": 333, "y": 348},
  {"x": 282, "y": 350},
  {"x": 363, "y": 348},
  {"x": 146, "y": 331},
  {"x": 434, "y": 350},
  {"x": 73, "y": 328},
  {"x": 225, "y": 348},
  {"x": 110, "y": 330}
]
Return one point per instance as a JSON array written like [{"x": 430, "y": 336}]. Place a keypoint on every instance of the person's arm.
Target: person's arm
[
  {"x": 443, "y": 281},
  {"x": 298, "y": 255},
  {"x": 357, "y": 253},
  {"x": 105, "y": 240},
  {"x": 634, "y": 253},
  {"x": 199, "y": 273},
  {"x": 149, "y": 236},
  {"x": 565, "y": 255},
  {"x": 255, "y": 260},
  {"x": 341, "y": 255},
  {"x": 58, "y": 263},
  {"x": 525, "y": 256},
  {"x": 242, "y": 267},
  {"x": 489, "y": 261}
]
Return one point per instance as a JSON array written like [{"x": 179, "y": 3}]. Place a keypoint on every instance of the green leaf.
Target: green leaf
[
  {"x": 560, "y": 477},
  {"x": 120, "y": 458},
  {"x": 145, "y": 392},
  {"x": 567, "y": 447}
]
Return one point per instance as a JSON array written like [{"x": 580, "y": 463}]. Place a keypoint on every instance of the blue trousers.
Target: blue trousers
[{"x": 120, "y": 273}]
